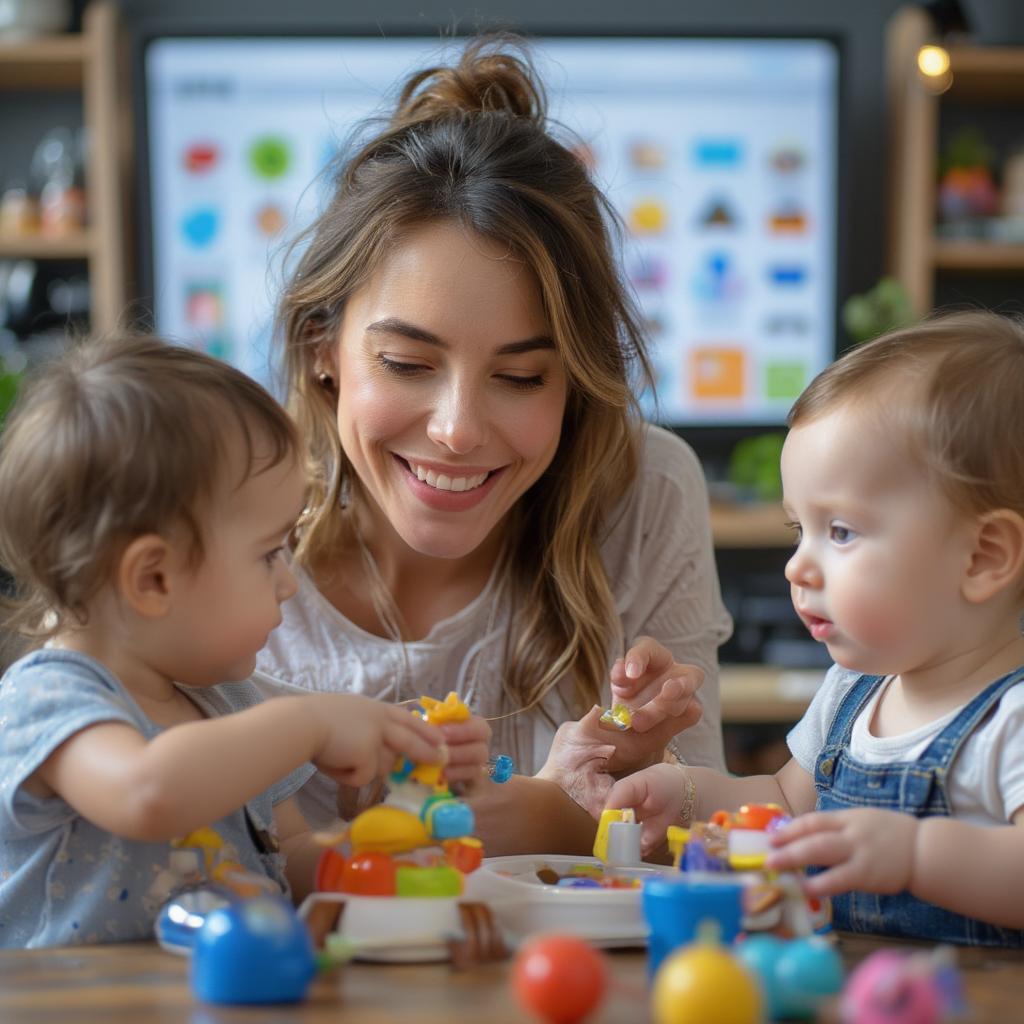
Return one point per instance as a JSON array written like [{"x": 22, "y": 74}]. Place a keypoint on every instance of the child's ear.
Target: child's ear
[
  {"x": 143, "y": 575},
  {"x": 997, "y": 557}
]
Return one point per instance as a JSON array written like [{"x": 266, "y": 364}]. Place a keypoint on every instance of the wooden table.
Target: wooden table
[{"x": 141, "y": 984}]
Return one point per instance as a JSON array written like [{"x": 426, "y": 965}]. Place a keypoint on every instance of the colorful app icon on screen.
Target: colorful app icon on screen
[
  {"x": 717, "y": 372},
  {"x": 788, "y": 219},
  {"x": 786, "y": 325},
  {"x": 201, "y": 157},
  {"x": 718, "y": 213},
  {"x": 784, "y": 378},
  {"x": 648, "y": 271},
  {"x": 787, "y": 159},
  {"x": 717, "y": 153},
  {"x": 270, "y": 219},
  {"x": 204, "y": 305},
  {"x": 270, "y": 157},
  {"x": 717, "y": 280},
  {"x": 787, "y": 275},
  {"x": 646, "y": 155},
  {"x": 199, "y": 226},
  {"x": 648, "y": 217}
]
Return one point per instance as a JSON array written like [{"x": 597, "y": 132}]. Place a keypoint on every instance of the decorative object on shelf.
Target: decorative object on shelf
[
  {"x": 967, "y": 190},
  {"x": 754, "y": 467},
  {"x": 24, "y": 19},
  {"x": 9, "y": 383},
  {"x": 885, "y": 307}
]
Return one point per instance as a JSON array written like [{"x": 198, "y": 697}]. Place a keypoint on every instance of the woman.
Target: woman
[{"x": 487, "y": 512}]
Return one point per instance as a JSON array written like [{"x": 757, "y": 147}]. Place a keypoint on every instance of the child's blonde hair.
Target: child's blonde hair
[
  {"x": 122, "y": 436},
  {"x": 952, "y": 389}
]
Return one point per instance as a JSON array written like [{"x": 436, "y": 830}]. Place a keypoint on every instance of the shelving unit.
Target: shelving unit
[
  {"x": 992, "y": 75},
  {"x": 757, "y": 525},
  {"x": 92, "y": 62}
]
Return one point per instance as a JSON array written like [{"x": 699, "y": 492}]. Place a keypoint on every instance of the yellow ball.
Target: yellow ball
[{"x": 705, "y": 983}]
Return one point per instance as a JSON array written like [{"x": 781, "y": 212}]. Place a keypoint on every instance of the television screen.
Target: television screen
[{"x": 719, "y": 154}]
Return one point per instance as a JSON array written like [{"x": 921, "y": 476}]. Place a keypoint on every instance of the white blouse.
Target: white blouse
[{"x": 660, "y": 562}]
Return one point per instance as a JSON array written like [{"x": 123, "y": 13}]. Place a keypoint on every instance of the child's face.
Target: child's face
[
  {"x": 876, "y": 573},
  {"x": 229, "y": 604}
]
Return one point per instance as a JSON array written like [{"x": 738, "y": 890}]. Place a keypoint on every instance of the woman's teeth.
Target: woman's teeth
[{"x": 447, "y": 483}]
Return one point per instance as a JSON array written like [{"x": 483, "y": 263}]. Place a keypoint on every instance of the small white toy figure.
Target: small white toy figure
[{"x": 903, "y": 474}]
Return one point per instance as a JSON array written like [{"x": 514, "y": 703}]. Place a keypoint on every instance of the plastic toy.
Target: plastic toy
[
  {"x": 676, "y": 906},
  {"x": 501, "y": 768},
  {"x": 618, "y": 717},
  {"x": 560, "y": 978},
  {"x": 252, "y": 951},
  {"x": 184, "y": 913},
  {"x": 796, "y": 975},
  {"x": 738, "y": 843},
  {"x": 896, "y": 987},
  {"x": 618, "y": 837},
  {"x": 704, "y": 982},
  {"x": 399, "y": 868}
]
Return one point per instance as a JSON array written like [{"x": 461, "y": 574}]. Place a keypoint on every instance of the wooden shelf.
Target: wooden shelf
[
  {"x": 979, "y": 75},
  {"x": 57, "y": 62},
  {"x": 69, "y": 247},
  {"x": 765, "y": 694},
  {"x": 1002, "y": 257},
  {"x": 988, "y": 73},
  {"x": 750, "y": 526}
]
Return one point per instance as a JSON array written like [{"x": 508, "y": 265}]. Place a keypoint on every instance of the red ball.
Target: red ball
[{"x": 559, "y": 978}]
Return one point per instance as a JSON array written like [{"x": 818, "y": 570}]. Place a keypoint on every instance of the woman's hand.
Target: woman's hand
[
  {"x": 469, "y": 745},
  {"x": 578, "y": 761},
  {"x": 863, "y": 849},
  {"x": 661, "y": 693}
]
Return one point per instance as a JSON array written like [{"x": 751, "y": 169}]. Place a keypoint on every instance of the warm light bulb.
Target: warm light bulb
[{"x": 933, "y": 61}]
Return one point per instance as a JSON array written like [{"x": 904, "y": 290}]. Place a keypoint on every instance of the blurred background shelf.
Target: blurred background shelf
[
  {"x": 755, "y": 525},
  {"x": 76, "y": 246}
]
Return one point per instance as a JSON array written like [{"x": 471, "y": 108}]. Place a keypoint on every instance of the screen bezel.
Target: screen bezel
[{"x": 712, "y": 440}]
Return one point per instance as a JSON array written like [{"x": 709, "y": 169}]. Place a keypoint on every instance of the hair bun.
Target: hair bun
[{"x": 489, "y": 78}]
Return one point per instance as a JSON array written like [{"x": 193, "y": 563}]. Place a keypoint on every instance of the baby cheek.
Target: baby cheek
[{"x": 874, "y": 618}]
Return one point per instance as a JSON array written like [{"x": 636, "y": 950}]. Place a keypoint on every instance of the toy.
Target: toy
[
  {"x": 560, "y": 978},
  {"x": 796, "y": 975},
  {"x": 704, "y": 982},
  {"x": 676, "y": 906},
  {"x": 618, "y": 837},
  {"x": 618, "y": 717},
  {"x": 252, "y": 951},
  {"x": 738, "y": 843},
  {"x": 895, "y": 987},
  {"x": 501, "y": 768},
  {"x": 398, "y": 870}
]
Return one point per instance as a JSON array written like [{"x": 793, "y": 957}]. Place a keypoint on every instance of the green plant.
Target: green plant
[
  {"x": 885, "y": 307},
  {"x": 754, "y": 466},
  {"x": 8, "y": 391}
]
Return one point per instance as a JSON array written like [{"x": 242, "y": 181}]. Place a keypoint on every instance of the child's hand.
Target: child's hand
[
  {"x": 656, "y": 794},
  {"x": 662, "y": 692},
  {"x": 864, "y": 849},
  {"x": 362, "y": 737},
  {"x": 468, "y": 749}
]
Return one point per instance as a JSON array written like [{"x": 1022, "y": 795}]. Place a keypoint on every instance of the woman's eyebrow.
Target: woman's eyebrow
[{"x": 394, "y": 325}]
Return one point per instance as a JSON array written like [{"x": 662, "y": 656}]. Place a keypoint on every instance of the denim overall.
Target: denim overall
[{"x": 915, "y": 787}]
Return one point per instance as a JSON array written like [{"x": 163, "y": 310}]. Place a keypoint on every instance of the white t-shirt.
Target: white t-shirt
[
  {"x": 985, "y": 782},
  {"x": 660, "y": 562}
]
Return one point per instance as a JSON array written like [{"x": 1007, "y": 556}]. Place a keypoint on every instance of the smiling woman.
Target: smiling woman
[{"x": 488, "y": 512}]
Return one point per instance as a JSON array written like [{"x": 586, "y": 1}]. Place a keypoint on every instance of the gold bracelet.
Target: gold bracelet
[{"x": 689, "y": 805}]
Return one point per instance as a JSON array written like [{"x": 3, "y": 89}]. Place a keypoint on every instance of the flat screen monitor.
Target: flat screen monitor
[{"x": 719, "y": 154}]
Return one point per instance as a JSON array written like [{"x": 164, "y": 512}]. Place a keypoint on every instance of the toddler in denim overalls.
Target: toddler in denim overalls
[{"x": 903, "y": 473}]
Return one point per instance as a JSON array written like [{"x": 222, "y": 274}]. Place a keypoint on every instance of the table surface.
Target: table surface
[{"x": 140, "y": 983}]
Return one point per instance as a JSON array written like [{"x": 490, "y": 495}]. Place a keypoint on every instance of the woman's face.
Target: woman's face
[{"x": 450, "y": 390}]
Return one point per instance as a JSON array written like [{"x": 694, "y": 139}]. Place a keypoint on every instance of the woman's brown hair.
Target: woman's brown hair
[{"x": 470, "y": 144}]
